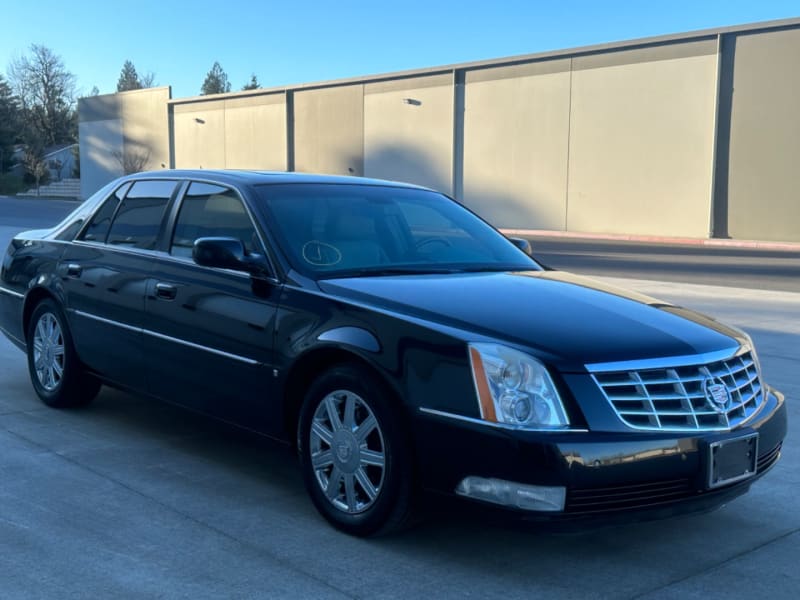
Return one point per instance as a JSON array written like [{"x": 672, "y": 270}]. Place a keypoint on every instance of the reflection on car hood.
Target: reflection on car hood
[{"x": 567, "y": 319}]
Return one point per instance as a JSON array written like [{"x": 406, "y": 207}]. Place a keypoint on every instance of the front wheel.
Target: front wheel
[
  {"x": 57, "y": 374},
  {"x": 354, "y": 455}
]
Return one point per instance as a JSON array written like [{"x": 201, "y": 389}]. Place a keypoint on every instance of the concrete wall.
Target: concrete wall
[
  {"x": 641, "y": 140},
  {"x": 329, "y": 130},
  {"x": 516, "y": 135},
  {"x": 687, "y": 135},
  {"x": 115, "y": 126},
  {"x": 763, "y": 180},
  {"x": 231, "y": 133},
  {"x": 408, "y": 131}
]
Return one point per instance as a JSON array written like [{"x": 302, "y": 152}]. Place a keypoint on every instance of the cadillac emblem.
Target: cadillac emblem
[{"x": 717, "y": 394}]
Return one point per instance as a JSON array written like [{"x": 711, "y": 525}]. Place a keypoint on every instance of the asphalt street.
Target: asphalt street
[{"x": 130, "y": 498}]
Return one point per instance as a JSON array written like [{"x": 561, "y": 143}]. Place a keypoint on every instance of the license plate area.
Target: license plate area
[{"x": 732, "y": 459}]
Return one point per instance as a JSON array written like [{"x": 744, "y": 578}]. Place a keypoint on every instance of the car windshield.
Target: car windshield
[{"x": 342, "y": 230}]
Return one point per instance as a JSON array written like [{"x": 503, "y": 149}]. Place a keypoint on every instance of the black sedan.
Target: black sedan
[{"x": 397, "y": 340}]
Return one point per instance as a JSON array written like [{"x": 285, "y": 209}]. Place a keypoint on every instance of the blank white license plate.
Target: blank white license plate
[{"x": 732, "y": 460}]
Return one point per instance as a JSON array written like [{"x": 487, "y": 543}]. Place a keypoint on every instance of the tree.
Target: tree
[
  {"x": 128, "y": 78},
  {"x": 133, "y": 160},
  {"x": 216, "y": 81},
  {"x": 9, "y": 123},
  {"x": 35, "y": 166},
  {"x": 252, "y": 84},
  {"x": 148, "y": 80},
  {"x": 46, "y": 91}
]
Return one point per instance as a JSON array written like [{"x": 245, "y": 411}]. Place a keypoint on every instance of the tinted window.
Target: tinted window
[
  {"x": 212, "y": 211},
  {"x": 138, "y": 219},
  {"x": 329, "y": 230},
  {"x": 97, "y": 229}
]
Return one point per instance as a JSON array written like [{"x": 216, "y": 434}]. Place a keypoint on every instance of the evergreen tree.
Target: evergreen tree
[
  {"x": 128, "y": 78},
  {"x": 9, "y": 123},
  {"x": 216, "y": 81},
  {"x": 252, "y": 84}
]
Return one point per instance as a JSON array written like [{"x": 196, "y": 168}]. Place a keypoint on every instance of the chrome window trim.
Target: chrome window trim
[
  {"x": 5, "y": 290},
  {"x": 455, "y": 417},
  {"x": 668, "y": 361},
  {"x": 168, "y": 338},
  {"x": 159, "y": 255}
]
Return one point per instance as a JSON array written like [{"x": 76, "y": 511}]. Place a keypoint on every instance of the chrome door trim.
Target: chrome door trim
[
  {"x": 5, "y": 290},
  {"x": 189, "y": 344},
  {"x": 167, "y": 338}
]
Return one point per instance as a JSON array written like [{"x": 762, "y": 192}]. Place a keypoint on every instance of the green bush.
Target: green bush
[{"x": 11, "y": 184}]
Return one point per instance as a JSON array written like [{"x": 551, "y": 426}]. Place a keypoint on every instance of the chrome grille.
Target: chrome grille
[{"x": 677, "y": 398}]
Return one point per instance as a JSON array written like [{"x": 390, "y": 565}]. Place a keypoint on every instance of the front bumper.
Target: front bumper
[{"x": 605, "y": 474}]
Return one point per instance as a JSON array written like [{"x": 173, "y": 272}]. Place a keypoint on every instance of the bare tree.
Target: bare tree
[
  {"x": 148, "y": 80},
  {"x": 46, "y": 91},
  {"x": 36, "y": 165},
  {"x": 132, "y": 161}
]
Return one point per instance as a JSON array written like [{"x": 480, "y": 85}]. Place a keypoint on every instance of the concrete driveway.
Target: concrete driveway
[{"x": 130, "y": 498}]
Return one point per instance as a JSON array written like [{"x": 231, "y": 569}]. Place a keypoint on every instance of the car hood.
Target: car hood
[{"x": 565, "y": 319}]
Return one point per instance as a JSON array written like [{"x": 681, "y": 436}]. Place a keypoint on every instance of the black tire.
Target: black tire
[
  {"x": 72, "y": 386},
  {"x": 354, "y": 510}
]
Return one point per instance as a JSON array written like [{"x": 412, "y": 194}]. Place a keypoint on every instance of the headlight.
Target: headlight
[{"x": 515, "y": 389}]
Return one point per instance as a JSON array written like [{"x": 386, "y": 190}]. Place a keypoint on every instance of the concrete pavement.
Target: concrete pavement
[{"x": 135, "y": 499}]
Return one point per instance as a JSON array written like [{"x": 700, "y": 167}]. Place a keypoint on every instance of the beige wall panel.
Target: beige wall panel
[
  {"x": 408, "y": 131},
  {"x": 98, "y": 141},
  {"x": 764, "y": 171},
  {"x": 329, "y": 130},
  {"x": 199, "y": 135},
  {"x": 516, "y": 132},
  {"x": 145, "y": 120},
  {"x": 641, "y": 138},
  {"x": 255, "y": 133}
]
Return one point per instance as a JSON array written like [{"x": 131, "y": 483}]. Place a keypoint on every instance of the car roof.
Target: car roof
[{"x": 234, "y": 177}]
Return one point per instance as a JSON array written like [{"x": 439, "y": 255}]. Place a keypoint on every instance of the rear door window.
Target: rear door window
[
  {"x": 138, "y": 219},
  {"x": 98, "y": 227}
]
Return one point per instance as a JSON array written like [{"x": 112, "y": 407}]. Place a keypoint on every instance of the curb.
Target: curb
[{"x": 654, "y": 239}]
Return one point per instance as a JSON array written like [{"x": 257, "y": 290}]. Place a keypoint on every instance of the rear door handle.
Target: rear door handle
[
  {"x": 74, "y": 270},
  {"x": 166, "y": 291}
]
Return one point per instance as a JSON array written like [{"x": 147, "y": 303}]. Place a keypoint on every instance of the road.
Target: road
[{"x": 130, "y": 498}]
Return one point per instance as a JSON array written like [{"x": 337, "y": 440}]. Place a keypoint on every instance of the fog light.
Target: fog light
[{"x": 509, "y": 493}]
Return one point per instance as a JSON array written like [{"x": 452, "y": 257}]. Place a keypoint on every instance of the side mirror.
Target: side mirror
[
  {"x": 227, "y": 253},
  {"x": 522, "y": 244}
]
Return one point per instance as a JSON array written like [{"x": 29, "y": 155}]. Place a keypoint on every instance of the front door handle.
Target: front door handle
[
  {"x": 166, "y": 291},
  {"x": 74, "y": 270}
]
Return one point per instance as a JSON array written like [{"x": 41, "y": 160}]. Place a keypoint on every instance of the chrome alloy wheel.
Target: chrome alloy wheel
[
  {"x": 48, "y": 352},
  {"x": 348, "y": 454}
]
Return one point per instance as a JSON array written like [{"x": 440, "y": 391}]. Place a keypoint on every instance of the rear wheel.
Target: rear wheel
[
  {"x": 57, "y": 374},
  {"x": 354, "y": 453}
]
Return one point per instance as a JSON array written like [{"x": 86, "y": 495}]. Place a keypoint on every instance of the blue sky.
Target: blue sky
[{"x": 295, "y": 41}]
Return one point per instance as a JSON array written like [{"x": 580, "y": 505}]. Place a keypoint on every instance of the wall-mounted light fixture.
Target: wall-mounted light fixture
[{"x": 412, "y": 101}]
